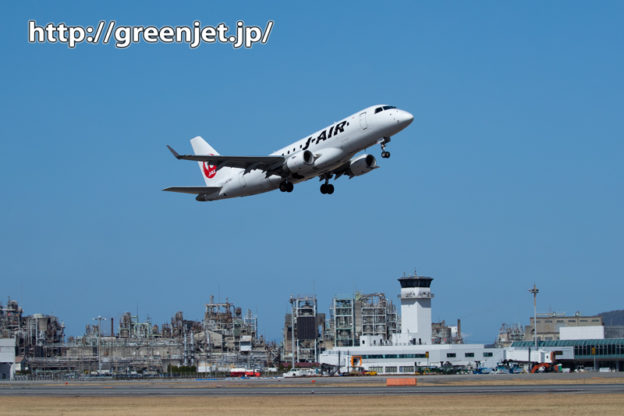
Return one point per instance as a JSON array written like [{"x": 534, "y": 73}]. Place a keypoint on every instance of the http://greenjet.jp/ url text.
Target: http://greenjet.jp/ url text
[{"x": 122, "y": 37}]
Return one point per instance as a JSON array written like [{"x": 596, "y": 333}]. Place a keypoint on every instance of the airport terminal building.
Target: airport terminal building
[
  {"x": 408, "y": 359},
  {"x": 587, "y": 353}
]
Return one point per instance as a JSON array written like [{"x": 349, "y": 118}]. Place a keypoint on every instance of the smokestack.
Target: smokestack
[
  {"x": 458, "y": 328},
  {"x": 112, "y": 327}
]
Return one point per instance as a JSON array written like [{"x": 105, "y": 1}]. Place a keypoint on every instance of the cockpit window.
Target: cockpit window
[{"x": 385, "y": 107}]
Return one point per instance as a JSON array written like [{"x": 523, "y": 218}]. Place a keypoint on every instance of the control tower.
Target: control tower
[{"x": 415, "y": 310}]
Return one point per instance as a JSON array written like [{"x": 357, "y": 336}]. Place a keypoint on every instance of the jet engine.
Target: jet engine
[
  {"x": 301, "y": 161},
  {"x": 361, "y": 165}
]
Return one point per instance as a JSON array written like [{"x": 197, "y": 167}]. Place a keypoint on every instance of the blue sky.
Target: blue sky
[{"x": 511, "y": 173}]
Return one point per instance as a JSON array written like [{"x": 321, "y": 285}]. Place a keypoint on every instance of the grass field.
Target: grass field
[{"x": 546, "y": 404}]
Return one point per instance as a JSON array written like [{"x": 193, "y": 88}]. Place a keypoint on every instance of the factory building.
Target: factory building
[
  {"x": 444, "y": 334},
  {"x": 223, "y": 339},
  {"x": 371, "y": 316},
  {"x": 304, "y": 331},
  {"x": 35, "y": 335},
  {"x": 230, "y": 338},
  {"x": 136, "y": 348},
  {"x": 342, "y": 323},
  {"x": 508, "y": 334}
]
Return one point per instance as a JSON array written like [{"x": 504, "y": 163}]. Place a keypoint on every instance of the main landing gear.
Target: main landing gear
[
  {"x": 327, "y": 188},
  {"x": 286, "y": 186},
  {"x": 385, "y": 154}
]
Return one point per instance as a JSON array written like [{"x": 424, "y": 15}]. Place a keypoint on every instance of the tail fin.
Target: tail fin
[
  {"x": 211, "y": 175},
  {"x": 201, "y": 147}
]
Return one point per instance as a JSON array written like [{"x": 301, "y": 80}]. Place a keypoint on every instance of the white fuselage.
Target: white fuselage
[{"x": 332, "y": 147}]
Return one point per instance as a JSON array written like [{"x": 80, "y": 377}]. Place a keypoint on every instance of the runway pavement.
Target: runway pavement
[
  {"x": 81, "y": 390},
  {"x": 505, "y": 385}
]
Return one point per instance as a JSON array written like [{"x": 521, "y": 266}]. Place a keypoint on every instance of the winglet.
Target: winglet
[{"x": 177, "y": 156}]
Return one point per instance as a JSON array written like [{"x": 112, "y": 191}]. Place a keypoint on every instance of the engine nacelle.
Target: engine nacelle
[
  {"x": 361, "y": 165},
  {"x": 301, "y": 161}
]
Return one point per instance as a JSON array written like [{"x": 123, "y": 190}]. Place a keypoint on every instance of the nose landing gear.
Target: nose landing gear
[{"x": 385, "y": 154}]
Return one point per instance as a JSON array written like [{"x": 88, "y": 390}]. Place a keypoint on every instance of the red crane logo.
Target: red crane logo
[{"x": 209, "y": 170}]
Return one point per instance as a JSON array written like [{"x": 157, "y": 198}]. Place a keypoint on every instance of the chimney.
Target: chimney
[
  {"x": 458, "y": 328},
  {"x": 112, "y": 327}
]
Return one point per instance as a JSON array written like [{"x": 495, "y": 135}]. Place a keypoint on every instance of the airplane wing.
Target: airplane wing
[
  {"x": 198, "y": 190},
  {"x": 266, "y": 163}
]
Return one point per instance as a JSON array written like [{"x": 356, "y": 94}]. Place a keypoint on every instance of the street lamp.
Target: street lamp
[
  {"x": 292, "y": 331},
  {"x": 99, "y": 319},
  {"x": 534, "y": 291}
]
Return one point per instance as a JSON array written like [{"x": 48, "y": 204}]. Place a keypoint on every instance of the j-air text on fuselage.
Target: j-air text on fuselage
[{"x": 328, "y": 153}]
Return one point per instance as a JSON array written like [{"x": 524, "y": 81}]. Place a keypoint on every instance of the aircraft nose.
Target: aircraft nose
[{"x": 404, "y": 118}]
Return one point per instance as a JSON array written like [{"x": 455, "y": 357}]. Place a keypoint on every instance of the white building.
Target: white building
[
  {"x": 408, "y": 358},
  {"x": 544, "y": 354},
  {"x": 415, "y": 311},
  {"x": 7, "y": 358},
  {"x": 581, "y": 332}
]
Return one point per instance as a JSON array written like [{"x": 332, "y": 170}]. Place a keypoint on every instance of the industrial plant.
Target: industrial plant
[
  {"x": 225, "y": 338},
  {"x": 364, "y": 334}
]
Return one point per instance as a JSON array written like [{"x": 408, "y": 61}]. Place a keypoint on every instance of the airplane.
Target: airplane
[{"x": 326, "y": 154}]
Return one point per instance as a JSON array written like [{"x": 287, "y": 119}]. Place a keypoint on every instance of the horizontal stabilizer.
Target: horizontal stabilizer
[{"x": 196, "y": 190}]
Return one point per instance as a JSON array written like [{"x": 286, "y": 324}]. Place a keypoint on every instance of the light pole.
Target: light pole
[
  {"x": 99, "y": 319},
  {"x": 534, "y": 291},
  {"x": 292, "y": 331}
]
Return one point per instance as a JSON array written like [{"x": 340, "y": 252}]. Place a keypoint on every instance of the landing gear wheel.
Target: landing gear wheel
[
  {"x": 385, "y": 154},
  {"x": 327, "y": 188},
  {"x": 286, "y": 186}
]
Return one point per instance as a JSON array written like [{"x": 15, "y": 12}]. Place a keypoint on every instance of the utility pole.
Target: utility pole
[
  {"x": 292, "y": 331},
  {"x": 534, "y": 291},
  {"x": 99, "y": 319}
]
